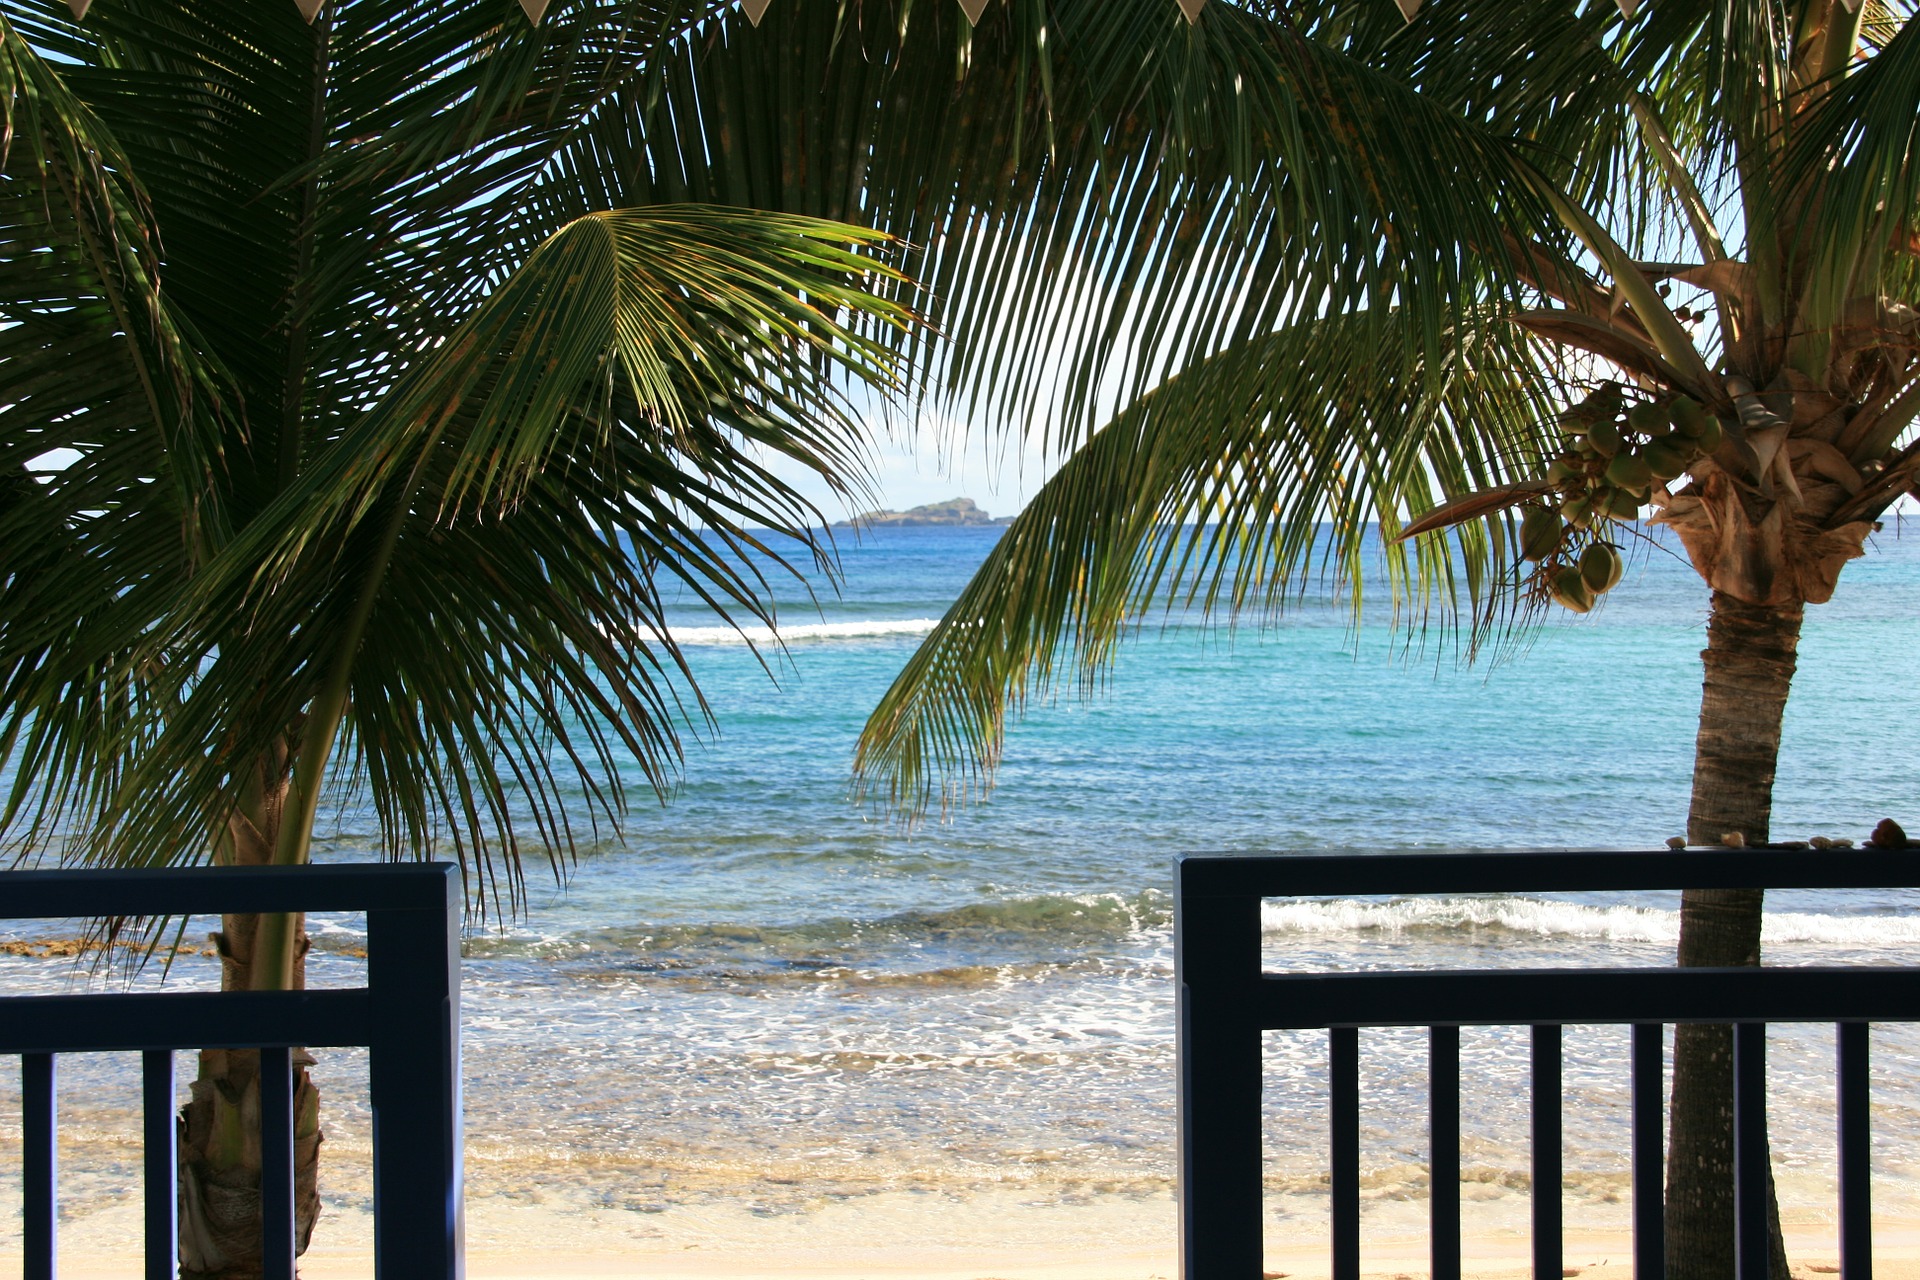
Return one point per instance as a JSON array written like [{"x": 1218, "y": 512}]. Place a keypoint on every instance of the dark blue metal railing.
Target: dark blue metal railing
[
  {"x": 407, "y": 1016},
  {"x": 1226, "y": 1001}
]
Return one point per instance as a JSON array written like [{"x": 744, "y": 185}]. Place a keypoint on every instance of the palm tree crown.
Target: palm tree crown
[{"x": 327, "y": 413}]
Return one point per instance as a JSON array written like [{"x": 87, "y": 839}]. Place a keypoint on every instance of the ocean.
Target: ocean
[{"x": 761, "y": 992}]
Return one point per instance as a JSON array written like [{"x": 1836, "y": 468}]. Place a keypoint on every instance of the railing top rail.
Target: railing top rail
[
  {"x": 1516, "y": 997},
  {"x": 183, "y": 891},
  {"x": 1283, "y": 875},
  {"x": 134, "y": 1020}
]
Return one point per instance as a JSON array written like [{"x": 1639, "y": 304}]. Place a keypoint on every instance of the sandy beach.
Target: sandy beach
[
  {"x": 1031, "y": 1231},
  {"x": 985, "y": 1237}
]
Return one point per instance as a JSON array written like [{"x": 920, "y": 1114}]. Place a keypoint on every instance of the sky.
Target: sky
[{"x": 938, "y": 460}]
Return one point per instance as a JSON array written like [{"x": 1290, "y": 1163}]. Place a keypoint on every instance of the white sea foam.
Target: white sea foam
[
  {"x": 1544, "y": 918},
  {"x": 806, "y": 631}
]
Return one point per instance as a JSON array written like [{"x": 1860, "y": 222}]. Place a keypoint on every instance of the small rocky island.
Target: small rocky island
[{"x": 954, "y": 511}]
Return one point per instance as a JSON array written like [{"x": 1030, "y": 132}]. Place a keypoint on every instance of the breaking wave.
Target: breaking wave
[
  {"x": 1545, "y": 918},
  {"x": 999, "y": 928},
  {"x": 865, "y": 628}
]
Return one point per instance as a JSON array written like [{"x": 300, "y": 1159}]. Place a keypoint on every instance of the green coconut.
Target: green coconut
[
  {"x": 1600, "y": 568},
  {"x": 1604, "y": 403},
  {"x": 1623, "y": 504},
  {"x": 1604, "y": 438},
  {"x": 1710, "y": 436},
  {"x": 1630, "y": 471},
  {"x": 1668, "y": 456},
  {"x": 1569, "y": 590},
  {"x": 1540, "y": 532},
  {"x": 1647, "y": 418},
  {"x": 1689, "y": 417}
]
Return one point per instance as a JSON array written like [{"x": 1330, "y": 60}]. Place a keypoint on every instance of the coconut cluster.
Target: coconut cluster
[{"x": 1614, "y": 453}]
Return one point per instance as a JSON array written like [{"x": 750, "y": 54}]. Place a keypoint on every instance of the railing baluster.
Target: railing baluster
[
  {"x": 1548, "y": 1253},
  {"x": 1856, "y": 1167},
  {"x": 161, "y": 1162},
  {"x": 1649, "y": 1156},
  {"x": 413, "y": 1068},
  {"x": 1750, "y": 1261},
  {"x": 39, "y": 1200},
  {"x": 1443, "y": 1162},
  {"x": 276, "y": 1163},
  {"x": 1343, "y": 1127}
]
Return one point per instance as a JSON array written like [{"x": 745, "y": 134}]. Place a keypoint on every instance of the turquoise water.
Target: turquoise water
[
  {"x": 766, "y": 977},
  {"x": 761, "y": 988}
]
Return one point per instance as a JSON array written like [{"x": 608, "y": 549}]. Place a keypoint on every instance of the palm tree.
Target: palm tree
[
  {"x": 1715, "y": 319},
  {"x": 324, "y": 445}
]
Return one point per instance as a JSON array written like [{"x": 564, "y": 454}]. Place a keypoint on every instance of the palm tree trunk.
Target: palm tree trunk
[
  {"x": 1749, "y": 668},
  {"x": 220, "y": 1125}
]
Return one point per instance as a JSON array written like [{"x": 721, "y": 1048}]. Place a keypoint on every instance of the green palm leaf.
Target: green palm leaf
[
  {"x": 1231, "y": 487},
  {"x": 1083, "y": 185},
  {"x": 109, "y": 436},
  {"x": 365, "y": 220},
  {"x": 473, "y": 580},
  {"x": 1861, "y": 146}
]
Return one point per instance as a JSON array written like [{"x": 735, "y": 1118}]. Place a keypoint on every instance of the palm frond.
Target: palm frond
[
  {"x": 474, "y": 582},
  {"x": 1861, "y": 146},
  {"x": 105, "y": 447},
  {"x": 1234, "y": 486},
  {"x": 1089, "y": 190}
]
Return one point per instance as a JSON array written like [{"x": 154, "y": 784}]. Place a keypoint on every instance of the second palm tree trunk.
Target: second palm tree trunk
[{"x": 1749, "y": 659}]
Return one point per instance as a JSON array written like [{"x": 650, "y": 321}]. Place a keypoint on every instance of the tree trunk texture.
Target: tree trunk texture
[
  {"x": 220, "y": 1125},
  {"x": 1749, "y": 668}
]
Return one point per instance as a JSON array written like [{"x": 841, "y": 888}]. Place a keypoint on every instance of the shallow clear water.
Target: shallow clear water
[{"x": 763, "y": 989}]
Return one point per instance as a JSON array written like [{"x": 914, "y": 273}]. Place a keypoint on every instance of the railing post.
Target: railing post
[
  {"x": 1343, "y": 1131},
  {"x": 1224, "y": 1001},
  {"x": 276, "y": 1163},
  {"x": 1549, "y": 1258},
  {"x": 1443, "y": 1156},
  {"x": 39, "y": 1196},
  {"x": 1217, "y": 962},
  {"x": 162, "y": 1164},
  {"x": 1750, "y": 1243},
  {"x": 407, "y": 1016},
  {"x": 1856, "y": 1161},
  {"x": 413, "y": 972},
  {"x": 1649, "y": 1155}
]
